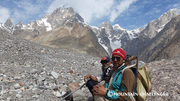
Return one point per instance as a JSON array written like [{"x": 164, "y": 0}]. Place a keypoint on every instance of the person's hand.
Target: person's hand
[
  {"x": 87, "y": 77},
  {"x": 99, "y": 90}
]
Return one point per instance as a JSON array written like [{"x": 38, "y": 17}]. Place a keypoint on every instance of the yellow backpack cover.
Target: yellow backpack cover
[
  {"x": 144, "y": 85},
  {"x": 143, "y": 79}
]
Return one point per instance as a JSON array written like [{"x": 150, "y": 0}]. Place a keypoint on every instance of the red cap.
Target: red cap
[
  {"x": 119, "y": 52},
  {"x": 107, "y": 59}
]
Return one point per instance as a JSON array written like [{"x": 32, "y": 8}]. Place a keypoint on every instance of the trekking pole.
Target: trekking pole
[
  {"x": 73, "y": 91},
  {"x": 136, "y": 73}
]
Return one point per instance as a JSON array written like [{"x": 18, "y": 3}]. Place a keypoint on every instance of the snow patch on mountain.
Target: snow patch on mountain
[
  {"x": 117, "y": 27},
  {"x": 1, "y": 25},
  {"x": 95, "y": 27},
  {"x": 5, "y": 28},
  {"x": 161, "y": 28},
  {"x": 28, "y": 26},
  {"x": 44, "y": 21},
  {"x": 164, "y": 19},
  {"x": 115, "y": 44},
  {"x": 116, "y": 36},
  {"x": 105, "y": 47},
  {"x": 131, "y": 35}
]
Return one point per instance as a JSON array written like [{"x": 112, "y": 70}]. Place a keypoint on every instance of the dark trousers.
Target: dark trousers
[{"x": 90, "y": 84}]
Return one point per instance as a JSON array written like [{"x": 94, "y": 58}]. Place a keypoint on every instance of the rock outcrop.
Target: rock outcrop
[{"x": 165, "y": 45}]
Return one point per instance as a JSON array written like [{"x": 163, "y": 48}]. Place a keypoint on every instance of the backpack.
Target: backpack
[{"x": 143, "y": 79}]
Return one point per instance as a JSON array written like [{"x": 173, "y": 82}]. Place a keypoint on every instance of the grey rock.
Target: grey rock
[
  {"x": 41, "y": 78},
  {"x": 35, "y": 96},
  {"x": 16, "y": 86},
  {"x": 79, "y": 96},
  {"x": 18, "y": 95},
  {"x": 19, "y": 91},
  {"x": 58, "y": 94},
  {"x": 17, "y": 77},
  {"x": 33, "y": 71},
  {"x": 5, "y": 81},
  {"x": 54, "y": 74},
  {"x": 9, "y": 99}
]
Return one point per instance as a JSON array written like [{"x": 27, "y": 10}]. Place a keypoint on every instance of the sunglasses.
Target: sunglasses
[
  {"x": 104, "y": 62},
  {"x": 117, "y": 58}
]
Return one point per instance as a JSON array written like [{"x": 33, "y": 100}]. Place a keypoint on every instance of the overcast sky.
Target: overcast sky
[{"x": 129, "y": 14}]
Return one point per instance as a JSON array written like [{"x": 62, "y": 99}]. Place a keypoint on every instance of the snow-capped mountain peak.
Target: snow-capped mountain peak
[
  {"x": 8, "y": 25},
  {"x": 164, "y": 19},
  {"x": 117, "y": 27},
  {"x": 111, "y": 37},
  {"x": 59, "y": 17}
]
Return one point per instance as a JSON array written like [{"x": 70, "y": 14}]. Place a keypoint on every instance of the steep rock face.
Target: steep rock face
[
  {"x": 155, "y": 26},
  {"x": 108, "y": 28},
  {"x": 164, "y": 19},
  {"x": 150, "y": 31},
  {"x": 112, "y": 37},
  {"x": 61, "y": 17},
  {"x": 78, "y": 38},
  {"x": 28, "y": 31},
  {"x": 165, "y": 44},
  {"x": 134, "y": 46},
  {"x": 132, "y": 41},
  {"x": 153, "y": 29},
  {"x": 103, "y": 34},
  {"x": 9, "y": 25}
]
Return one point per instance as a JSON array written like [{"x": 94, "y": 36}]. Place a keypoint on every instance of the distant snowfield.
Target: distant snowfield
[
  {"x": 47, "y": 24},
  {"x": 115, "y": 40},
  {"x": 115, "y": 44},
  {"x": 43, "y": 21}
]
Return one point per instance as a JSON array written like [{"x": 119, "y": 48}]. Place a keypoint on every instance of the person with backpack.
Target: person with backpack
[
  {"x": 143, "y": 76},
  {"x": 106, "y": 68},
  {"x": 120, "y": 85}
]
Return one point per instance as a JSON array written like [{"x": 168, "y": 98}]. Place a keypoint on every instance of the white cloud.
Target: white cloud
[
  {"x": 120, "y": 8},
  {"x": 26, "y": 11},
  {"x": 93, "y": 9},
  {"x": 4, "y": 14},
  {"x": 153, "y": 12}
]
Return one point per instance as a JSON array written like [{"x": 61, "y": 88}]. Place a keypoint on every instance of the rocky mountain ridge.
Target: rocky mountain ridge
[
  {"x": 108, "y": 36},
  {"x": 146, "y": 37},
  {"x": 111, "y": 37},
  {"x": 59, "y": 17},
  {"x": 166, "y": 44},
  {"x": 63, "y": 28}
]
